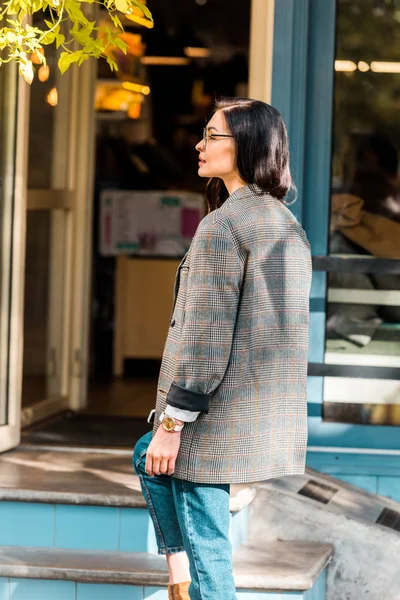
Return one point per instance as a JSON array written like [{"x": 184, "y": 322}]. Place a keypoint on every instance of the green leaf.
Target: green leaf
[
  {"x": 48, "y": 39},
  {"x": 116, "y": 21},
  {"x": 50, "y": 25},
  {"x": 112, "y": 63},
  {"x": 60, "y": 39},
  {"x": 118, "y": 43},
  {"x": 67, "y": 58}
]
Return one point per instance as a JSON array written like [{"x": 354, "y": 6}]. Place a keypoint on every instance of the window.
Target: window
[{"x": 363, "y": 300}]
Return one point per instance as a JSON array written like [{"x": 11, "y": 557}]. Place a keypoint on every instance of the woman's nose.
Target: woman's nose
[{"x": 200, "y": 146}]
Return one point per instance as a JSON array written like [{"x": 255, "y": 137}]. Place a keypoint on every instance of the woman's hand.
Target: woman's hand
[{"x": 162, "y": 452}]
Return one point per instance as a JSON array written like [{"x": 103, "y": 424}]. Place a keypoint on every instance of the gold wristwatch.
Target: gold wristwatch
[{"x": 169, "y": 423}]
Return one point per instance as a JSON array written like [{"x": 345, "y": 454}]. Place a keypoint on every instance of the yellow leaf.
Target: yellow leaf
[
  {"x": 10, "y": 37},
  {"x": 121, "y": 5}
]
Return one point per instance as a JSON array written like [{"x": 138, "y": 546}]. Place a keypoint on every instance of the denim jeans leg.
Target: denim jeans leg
[
  {"x": 204, "y": 517},
  {"x": 157, "y": 492}
]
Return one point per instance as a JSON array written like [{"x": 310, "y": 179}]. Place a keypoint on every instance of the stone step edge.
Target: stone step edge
[
  {"x": 241, "y": 496},
  {"x": 253, "y": 568}
]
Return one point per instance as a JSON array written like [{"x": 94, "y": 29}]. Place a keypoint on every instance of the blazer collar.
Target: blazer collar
[{"x": 247, "y": 191}]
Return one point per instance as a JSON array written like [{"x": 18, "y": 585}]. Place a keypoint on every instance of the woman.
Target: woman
[{"x": 231, "y": 401}]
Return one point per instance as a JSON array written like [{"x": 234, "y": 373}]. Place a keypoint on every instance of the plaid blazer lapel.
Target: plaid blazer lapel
[{"x": 177, "y": 280}]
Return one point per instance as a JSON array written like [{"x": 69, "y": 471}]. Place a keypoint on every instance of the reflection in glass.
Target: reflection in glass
[
  {"x": 36, "y": 307},
  {"x": 363, "y": 311},
  {"x": 43, "y": 307},
  {"x": 42, "y": 111}
]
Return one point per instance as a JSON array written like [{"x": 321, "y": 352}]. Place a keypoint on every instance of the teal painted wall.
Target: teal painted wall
[
  {"x": 41, "y": 589},
  {"x": 378, "y": 474}
]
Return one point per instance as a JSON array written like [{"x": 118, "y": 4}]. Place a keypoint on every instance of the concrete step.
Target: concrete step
[
  {"x": 273, "y": 571},
  {"x": 82, "y": 476},
  {"x": 77, "y": 499},
  {"x": 363, "y": 527}
]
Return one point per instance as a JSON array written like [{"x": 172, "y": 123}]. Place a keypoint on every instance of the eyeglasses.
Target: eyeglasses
[{"x": 207, "y": 136}]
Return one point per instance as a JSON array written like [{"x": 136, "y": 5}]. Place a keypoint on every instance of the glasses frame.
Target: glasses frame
[{"x": 213, "y": 135}]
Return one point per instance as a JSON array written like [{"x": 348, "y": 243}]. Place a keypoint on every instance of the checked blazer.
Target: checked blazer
[{"x": 237, "y": 346}]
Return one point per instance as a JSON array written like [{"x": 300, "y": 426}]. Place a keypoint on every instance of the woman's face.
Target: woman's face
[{"x": 217, "y": 157}]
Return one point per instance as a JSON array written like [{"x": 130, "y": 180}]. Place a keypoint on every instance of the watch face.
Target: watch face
[{"x": 168, "y": 423}]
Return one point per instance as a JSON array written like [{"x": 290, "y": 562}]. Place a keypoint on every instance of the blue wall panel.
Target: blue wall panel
[
  {"x": 315, "y": 388},
  {"x": 137, "y": 531},
  {"x": 90, "y": 591},
  {"x": 239, "y": 527},
  {"x": 87, "y": 527},
  {"x": 289, "y": 80},
  {"x": 389, "y": 486},
  {"x": 345, "y": 435},
  {"x": 319, "y": 105},
  {"x": 26, "y": 524},
  {"x": 39, "y": 589},
  {"x": 354, "y": 463},
  {"x": 318, "y": 591},
  {"x": 155, "y": 593},
  {"x": 4, "y": 588}
]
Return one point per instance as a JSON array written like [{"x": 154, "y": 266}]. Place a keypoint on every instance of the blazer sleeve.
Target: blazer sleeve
[{"x": 213, "y": 293}]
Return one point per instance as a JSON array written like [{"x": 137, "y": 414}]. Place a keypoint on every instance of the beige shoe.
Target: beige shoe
[{"x": 179, "y": 591}]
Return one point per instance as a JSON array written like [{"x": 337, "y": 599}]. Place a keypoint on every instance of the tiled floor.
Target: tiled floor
[
  {"x": 133, "y": 397},
  {"x": 129, "y": 396}
]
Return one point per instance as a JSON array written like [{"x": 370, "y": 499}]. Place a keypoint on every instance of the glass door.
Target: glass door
[
  {"x": 48, "y": 242},
  {"x": 13, "y": 103}
]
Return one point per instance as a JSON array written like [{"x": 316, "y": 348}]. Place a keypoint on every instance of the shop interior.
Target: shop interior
[{"x": 148, "y": 118}]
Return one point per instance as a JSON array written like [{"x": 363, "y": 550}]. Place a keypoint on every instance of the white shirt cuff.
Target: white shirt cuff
[{"x": 183, "y": 415}]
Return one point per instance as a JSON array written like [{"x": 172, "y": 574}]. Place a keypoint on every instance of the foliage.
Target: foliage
[{"x": 66, "y": 25}]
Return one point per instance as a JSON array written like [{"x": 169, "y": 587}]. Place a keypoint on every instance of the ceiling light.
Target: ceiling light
[
  {"x": 136, "y": 87},
  {"x": 385, "y": 67},
  {"x": 363, "y": 66},
  {"x": 164, "y": 60},
  {"x": 197, "y": 52},
  {"x": 345, "y": 65}
]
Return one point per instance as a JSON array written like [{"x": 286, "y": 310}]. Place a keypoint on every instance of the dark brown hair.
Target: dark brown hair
[{"x": 262, "y": 149}]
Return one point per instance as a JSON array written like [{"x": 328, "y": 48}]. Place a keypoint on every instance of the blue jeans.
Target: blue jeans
[{"x": 191, "y": 517}]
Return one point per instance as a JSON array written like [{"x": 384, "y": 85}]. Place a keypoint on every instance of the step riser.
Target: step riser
[
  {"x": 90, "y": 527},
  {"x": 40, "y": 589}
]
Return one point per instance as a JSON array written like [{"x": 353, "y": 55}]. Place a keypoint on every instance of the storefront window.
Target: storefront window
[{"x": 363, "y": 310}]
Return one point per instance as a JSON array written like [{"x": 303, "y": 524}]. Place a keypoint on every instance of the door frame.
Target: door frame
[{"x": 10, "y": 432}]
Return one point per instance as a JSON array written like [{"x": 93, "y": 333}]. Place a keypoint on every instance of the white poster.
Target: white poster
[{"x": 148, "y": 222}]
